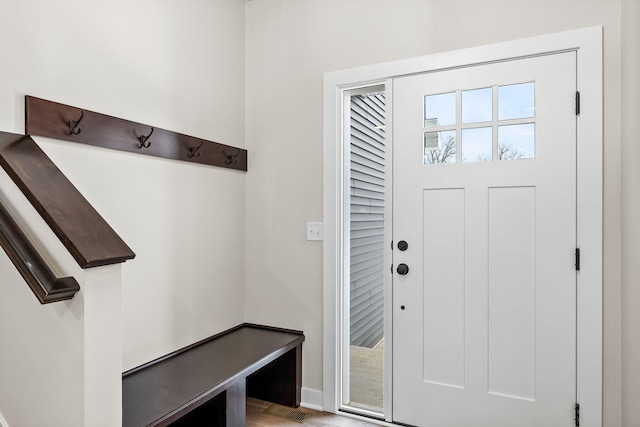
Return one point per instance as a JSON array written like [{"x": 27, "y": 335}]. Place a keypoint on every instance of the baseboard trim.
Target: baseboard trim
[{"x": 311, "y": 399}]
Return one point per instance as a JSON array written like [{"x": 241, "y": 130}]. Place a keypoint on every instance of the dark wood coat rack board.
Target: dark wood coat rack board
[{"x": 59, "y": 121}]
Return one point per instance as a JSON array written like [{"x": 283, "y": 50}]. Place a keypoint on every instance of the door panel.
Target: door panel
[
  {"x": 485, "y": 195},
  {"x": 512, "y": 260},
  {"x": 443, "y": 340}
]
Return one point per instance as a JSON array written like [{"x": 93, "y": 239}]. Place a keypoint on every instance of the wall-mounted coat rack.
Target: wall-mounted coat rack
[{"x": 54, "y": 120}]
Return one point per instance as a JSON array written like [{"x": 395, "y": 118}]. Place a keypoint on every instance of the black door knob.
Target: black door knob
[
  {"x": 402, "y": 245},
  {"x": 402, "y": 269}
]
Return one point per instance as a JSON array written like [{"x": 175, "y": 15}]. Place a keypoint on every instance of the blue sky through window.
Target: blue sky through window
[
  {"x": 440, "y": 110},
  {"x": 516, "y": 101},
  {"x": 477, "y": 105},
  {"x": 477, "y": 144},
  {"x": 521, "y": 138}
]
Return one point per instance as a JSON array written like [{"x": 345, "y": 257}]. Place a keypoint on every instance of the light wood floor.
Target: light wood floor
[{"x": 257, "y": 418}]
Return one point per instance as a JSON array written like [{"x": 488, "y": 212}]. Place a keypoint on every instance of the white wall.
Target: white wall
[
  {"x": 630, "y": 213},
  {"x": 174, "y": 65},
  {"x": 289, "y": 45}
]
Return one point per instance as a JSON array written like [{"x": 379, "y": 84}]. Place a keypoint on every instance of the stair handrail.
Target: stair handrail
[{"x": 42, "y": 280}]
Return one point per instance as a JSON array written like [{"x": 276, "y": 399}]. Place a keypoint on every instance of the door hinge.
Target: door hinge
[
  {"x": 577, "y": 412},
  {"x": 577, "y": 103},
  {"x": 577, "y": 259}
]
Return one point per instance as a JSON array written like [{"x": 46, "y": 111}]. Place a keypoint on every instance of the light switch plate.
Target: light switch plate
[{"x": 314, "y": 231}]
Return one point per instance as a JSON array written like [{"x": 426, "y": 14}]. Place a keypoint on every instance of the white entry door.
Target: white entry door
[{"x": 484, "y": 206}]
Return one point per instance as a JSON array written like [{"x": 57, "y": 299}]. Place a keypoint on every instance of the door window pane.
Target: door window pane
[
  {"x": 477, "y": 144},
  {"x": 440, "y": 110},
  {"x": 516, "y": 142},
  {"x": 439, "y": 147},
  {"x": 477, "y": 105},
  {"x": 516, "y": 101}
]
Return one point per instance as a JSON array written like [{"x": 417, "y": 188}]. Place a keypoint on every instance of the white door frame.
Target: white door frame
[{"x": 588, "y": 43}]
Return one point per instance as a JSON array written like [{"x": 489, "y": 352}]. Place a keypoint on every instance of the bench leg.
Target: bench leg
[
  {"x": 280, "y": 381},
  {"x": 237, "y": 404}
]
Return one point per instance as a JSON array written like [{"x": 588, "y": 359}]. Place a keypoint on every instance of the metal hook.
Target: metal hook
[
  {"x": 195, "y": 151},
  {"x": 73, "y": 124},
  {"x": 143, "y": 140},
  {"x": 233, "y": 159}
]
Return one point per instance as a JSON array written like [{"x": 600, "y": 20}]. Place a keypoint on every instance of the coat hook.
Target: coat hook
[
  {"x": 143, "y": 140},
  {"x": 73, "y": 125},
  {"x": 233, "y": 159},
  {"x": 195, "y": 151}
]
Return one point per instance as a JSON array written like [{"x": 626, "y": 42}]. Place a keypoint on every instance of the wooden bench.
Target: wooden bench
[{"x": 207, "y": 383}]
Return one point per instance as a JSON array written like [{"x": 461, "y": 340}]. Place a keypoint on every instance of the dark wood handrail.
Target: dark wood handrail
[
  {"x": 33, "y": 268},
  {"x": 86, "y": 235}
]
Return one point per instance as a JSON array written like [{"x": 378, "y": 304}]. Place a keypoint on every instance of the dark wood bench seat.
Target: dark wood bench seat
[{"x": 207, "y": 382}]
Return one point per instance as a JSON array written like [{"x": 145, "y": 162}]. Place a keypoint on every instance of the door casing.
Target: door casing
[{"x": 588, "y": 45}]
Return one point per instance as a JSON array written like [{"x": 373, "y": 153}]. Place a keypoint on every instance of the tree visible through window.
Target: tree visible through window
[{"x": 446, "y": 154}]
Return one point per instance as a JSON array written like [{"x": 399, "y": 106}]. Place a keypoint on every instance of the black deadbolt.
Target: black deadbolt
[
  {"x": 403, "y": 269},
  {"x": 402, "y": 245},
  {"x": 402, "y": 307}
]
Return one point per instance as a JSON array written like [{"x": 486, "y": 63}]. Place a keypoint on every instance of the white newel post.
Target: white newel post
[{"x": 103, "y": 346}]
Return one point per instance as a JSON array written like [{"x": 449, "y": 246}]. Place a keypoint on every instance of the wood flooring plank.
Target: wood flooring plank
[{"x": 257, "y": 418}]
